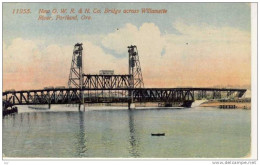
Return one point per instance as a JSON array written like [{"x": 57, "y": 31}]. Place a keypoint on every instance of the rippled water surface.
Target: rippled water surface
[{"x": 118, "y": 132}]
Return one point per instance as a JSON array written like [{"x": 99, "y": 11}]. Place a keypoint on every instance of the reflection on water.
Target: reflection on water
[
  {"x": 132, "y": 139},
  {"x": 81, "y": 138},
  {"x": 190, "y": 133}
]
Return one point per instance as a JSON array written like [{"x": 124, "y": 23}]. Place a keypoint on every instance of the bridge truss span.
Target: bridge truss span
[
  {"x": 106, "y": 81},
  {"x": 117, "y": 95}
]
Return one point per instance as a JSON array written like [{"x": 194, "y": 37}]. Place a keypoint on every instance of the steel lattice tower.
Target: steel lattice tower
[
  {"x": 135, "y": 68},
  {"x": 76, "y": 70}
]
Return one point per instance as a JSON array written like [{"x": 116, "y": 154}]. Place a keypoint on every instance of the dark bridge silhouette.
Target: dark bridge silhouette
[{"x": 109, "y": 88}]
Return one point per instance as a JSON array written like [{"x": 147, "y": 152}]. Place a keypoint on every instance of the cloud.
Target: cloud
[
  {"x": 201, "y": 55},
  {"x": 211, "y": 55},
  {"x": 121, "y": 38},
  {"x": 28, "y": 65},
  {"x": 96, "y": 59},
  {"x": 148, "y": 39}
]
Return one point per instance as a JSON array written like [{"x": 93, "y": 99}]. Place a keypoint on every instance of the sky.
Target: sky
[{"x": 192, "y": 45}]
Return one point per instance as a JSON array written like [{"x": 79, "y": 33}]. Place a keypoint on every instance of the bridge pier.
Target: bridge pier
[
  {"x": 83, "y": 107},
  {"x": 131, "y": 106}
]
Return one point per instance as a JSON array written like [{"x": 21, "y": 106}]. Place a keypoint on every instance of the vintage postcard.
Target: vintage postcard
[{"x": 129, "y": 80}]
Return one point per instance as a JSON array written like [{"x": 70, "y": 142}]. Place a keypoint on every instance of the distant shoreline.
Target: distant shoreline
[{"x": 240, "y": 105}]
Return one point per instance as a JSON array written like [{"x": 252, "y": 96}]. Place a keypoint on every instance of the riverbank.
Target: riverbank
[{"x": 240, "y": 105}]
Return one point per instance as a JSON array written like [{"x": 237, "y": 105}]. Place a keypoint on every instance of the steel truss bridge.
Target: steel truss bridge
[
  {"x": 108, "y": 95},
  {"x": 101, "y": 88}
]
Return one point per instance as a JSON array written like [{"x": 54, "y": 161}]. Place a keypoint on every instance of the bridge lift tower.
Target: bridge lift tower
[
  {"x": 76, "y": 71},
  {"x": 135, "y": 68},
  {"x": 135, "y": 72}
]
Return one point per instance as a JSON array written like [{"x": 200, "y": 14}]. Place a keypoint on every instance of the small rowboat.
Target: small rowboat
[{"x": 157, "y": 134}]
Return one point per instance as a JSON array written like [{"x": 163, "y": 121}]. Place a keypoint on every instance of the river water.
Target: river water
[{"x": 110, "y": 132}]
